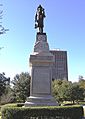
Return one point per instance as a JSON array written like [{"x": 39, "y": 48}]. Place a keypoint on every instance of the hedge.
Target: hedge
[{"x": 51, "y": 112}]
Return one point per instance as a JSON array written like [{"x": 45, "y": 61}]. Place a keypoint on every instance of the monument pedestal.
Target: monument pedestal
[{"x": 41, "y": 62}]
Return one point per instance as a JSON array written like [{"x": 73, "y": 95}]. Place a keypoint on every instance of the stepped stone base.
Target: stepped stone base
[{"x": 40, "y": 101}]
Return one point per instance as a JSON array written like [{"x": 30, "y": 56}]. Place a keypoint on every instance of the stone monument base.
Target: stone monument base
[
  {"x": 40, "y": 101},
  {"x": 41, "y": 62}
]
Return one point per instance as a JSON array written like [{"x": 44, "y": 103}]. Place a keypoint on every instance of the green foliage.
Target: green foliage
[
  {"x": 14, "y": 105},
  {"x": 21, "y": 86},
  {"x": 8, "y": 96},
  {"x": 3, "y": 83},
  {"x": 72, "y": 112},
  {"x": 75, "y": 93},
  {"x": 82, "y": 82},
  {"x": 59, "y": 88},
  {"x": 67, "y": 91}
]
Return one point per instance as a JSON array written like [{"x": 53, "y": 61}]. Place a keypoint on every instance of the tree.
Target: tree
[
  {"x": 81, "y": 82},
  {"x": 2, "y": 29},
  {"x": 4, "y": 81},
  {"x": 67, "y": 91},
  {"x": 21, "y": 86},
  {"x": 8, "y": 96},
  {"x": 75, "y": 92},
  {"x": 59, "y": 88}
]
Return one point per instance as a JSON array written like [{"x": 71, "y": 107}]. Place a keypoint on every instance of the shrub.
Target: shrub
[{"x": 71, "y": 112}]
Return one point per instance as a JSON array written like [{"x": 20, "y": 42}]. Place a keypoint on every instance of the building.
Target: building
[{"x": 60, "y": 68}]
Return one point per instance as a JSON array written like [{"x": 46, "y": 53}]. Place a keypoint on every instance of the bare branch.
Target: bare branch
[
  {"x": 1, "y": 48},
  {"x": 2, "y": 29}
]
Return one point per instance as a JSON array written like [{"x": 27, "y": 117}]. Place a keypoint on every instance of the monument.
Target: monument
[{"x": 41, "y": 62}]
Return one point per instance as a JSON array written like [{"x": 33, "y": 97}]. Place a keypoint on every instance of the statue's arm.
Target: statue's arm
[
  {"x": 44, "y": 13},
  {"x": 36, "y": 17}
]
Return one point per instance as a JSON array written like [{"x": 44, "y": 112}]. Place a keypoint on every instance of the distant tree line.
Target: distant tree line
[
  {"x": 67, "y": 91},
  {"x": 19, "y": 89}
]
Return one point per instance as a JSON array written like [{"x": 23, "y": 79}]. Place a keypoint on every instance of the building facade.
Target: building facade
[{"x": 60, "y": 68}]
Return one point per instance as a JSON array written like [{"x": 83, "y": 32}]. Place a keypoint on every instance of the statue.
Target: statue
[{"x": 39, "y": 18}]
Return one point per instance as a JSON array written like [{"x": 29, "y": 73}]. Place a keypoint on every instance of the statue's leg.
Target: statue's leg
[{"x": 40, "y": 30}]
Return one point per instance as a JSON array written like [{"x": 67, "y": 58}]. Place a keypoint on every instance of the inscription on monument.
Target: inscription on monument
[{"x": 41, "y": 82}]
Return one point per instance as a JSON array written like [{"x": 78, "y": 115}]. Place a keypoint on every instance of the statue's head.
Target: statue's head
[{"x": 39, "y": 8}]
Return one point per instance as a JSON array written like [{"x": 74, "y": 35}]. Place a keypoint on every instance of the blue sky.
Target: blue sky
[{"x": 64, "y": 25}]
